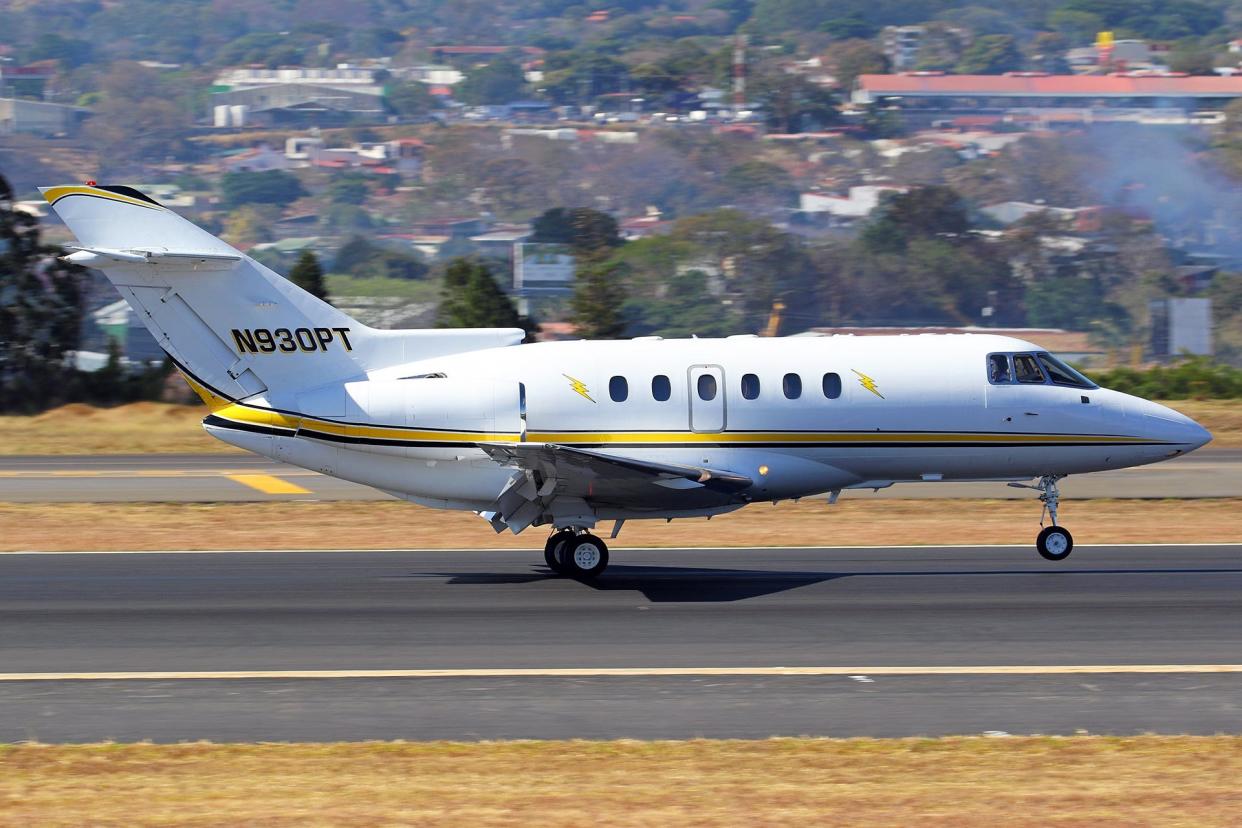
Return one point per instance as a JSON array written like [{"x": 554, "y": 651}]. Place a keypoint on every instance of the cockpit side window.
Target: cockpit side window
[
  {"x": 999, "y": 370},
  {"x": 1062, "y": 374},
  {"x": 1026, "y": 369}
]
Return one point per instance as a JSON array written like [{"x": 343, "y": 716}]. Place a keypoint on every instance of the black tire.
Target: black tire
[
  {"x": 584, "y": 556},
  {"x": 551, "y": 550},
  {"x": 1054, "y": 543}
]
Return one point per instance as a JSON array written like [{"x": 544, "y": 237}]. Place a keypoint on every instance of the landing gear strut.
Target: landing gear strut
[
  {"x": 1054, "y": 542},
  {"x": 575, "y": 554}
]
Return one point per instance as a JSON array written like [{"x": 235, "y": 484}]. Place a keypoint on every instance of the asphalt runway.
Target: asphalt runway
[
  {"x": 245, "y": 477},
  {"x": 487, "y": 645}
]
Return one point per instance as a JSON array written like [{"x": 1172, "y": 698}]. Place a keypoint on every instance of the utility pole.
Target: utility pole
[{"x": 739, "y": 72}]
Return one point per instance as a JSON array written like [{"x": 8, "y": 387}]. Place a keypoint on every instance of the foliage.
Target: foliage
[
  {"x": 499, "y": 82},
  {"x": 308, "y": 275},
  {"x": 922, "y": 212},
  {"x": 472, "y": 299},
  {"x": 852, "y": 58},
  {"x": 348, "y": 188},
  {"x": 587, "y": 231},
  {"x": 991, "y": 55},
  {"x": 40, "y": 312},
  {"x": 597, "y": 302},
  {"x": 410, "y": 99},
  {"x": 142, "y": 116},
  {"x": 790, "y": 102},
  {"x": 267, "y": 187},
  {"x": 365, "y": 260},
  {"x": 1191, "y": 378}
]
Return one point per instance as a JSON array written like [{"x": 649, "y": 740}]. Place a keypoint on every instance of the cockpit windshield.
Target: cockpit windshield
[
  {"x": 1039, "y": 368},
  {"x": 1062, "y": 374}
]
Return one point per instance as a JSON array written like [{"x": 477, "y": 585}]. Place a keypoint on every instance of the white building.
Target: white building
[{"x": 858, "y": 204}]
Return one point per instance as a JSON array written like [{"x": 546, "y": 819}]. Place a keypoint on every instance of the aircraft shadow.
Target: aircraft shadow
[{"x": 669, "y": 584}]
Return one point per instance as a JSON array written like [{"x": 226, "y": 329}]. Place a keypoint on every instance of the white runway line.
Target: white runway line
[{"x": 635, "y": 672}]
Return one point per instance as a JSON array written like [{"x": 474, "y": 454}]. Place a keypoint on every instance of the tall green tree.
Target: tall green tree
[
  {"x": 589, "y": 232},
  {"x": 308, "y": 275},
  {"x": 40, "y": 312},
  {"x": 499, "y": 82},
  {"x": 472, "y": 299},
  {"x": 599, "y": 294},
  {"x": 991, "y": 55},
  {"x": 267, "y": 187}
]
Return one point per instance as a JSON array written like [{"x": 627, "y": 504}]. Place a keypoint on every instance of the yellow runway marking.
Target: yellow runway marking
[
  {"x": 603, "y": 672},
  {"x": 140, "y": 473},
  {"x": 267, "y": 484}
]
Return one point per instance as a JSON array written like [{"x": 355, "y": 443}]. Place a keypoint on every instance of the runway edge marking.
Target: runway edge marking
[
  {"x": 514, "y": 549},
  {"x": 638, "y": 672}
]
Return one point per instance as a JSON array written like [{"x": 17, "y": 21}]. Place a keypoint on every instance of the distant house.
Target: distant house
[
  {"x": 1010, "y": 212},
  {"x": 499, "y": 242},
  {"x": 256, "y": 159},
  {"x": 403, "y": 156},
  {"x": 858, "y": 204}
]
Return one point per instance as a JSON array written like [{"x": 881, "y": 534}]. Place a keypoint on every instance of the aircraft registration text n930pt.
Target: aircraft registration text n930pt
[{"x": 569, "y": 434}]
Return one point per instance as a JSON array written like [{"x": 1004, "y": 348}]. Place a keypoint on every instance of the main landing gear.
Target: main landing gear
[
  {"x": 577, "y": 554},
  {"x": 1054, "y": 542}
]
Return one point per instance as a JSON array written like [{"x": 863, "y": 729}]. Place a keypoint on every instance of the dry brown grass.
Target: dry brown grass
[
  {"x": 960, "y": 782},
  {"x": 137, "y": 428},
  {"x": 145, "y": 428},
  {"x": 391, "y": 525}
]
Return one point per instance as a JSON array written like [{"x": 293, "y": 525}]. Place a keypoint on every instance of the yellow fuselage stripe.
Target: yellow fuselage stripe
[{"x": 55, "y": 193}]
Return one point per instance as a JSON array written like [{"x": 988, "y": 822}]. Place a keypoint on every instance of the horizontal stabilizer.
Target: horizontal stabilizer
[{"x": 98, "y": 256}]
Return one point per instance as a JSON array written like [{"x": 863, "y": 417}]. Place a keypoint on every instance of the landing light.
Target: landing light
[{"x": 763, "y": 469}]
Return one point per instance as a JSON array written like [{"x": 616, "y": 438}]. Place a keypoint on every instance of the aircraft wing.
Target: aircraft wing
[{"x": 549, "y": 471}]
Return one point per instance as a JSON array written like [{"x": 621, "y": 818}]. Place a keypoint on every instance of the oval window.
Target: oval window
[
  {"x": 750, "y": 386},
  {"x": 832, "y": 386},
  {"x": 707, "y": 387},
  {"x": 792, "y": 386},
  {"x": 661, "y": 388},
  {"x": 618, "y": 389}
]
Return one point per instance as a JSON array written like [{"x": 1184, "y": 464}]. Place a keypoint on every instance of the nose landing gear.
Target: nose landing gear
[
  {"x": 1054, "y": 542},
  {"x": 575, "y": 554}
]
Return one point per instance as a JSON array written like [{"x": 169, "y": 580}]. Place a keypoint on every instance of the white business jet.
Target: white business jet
[{"x": 569, "y": 434}]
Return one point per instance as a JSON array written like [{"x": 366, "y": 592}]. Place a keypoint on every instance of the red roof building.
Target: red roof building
[{"x": 1027, "y": 86}]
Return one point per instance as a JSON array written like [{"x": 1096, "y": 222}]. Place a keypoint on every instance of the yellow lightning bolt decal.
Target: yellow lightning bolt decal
[
  {"x": 868, "y": 383},
  {"x": 578, "y": 385}
]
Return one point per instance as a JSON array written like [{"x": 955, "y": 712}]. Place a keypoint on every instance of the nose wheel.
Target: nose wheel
[
  {"x": 1054, "y": 542},
  {"x": 575, "y": 554}
]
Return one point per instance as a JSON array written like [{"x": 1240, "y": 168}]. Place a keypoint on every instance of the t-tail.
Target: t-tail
[{"x": 235, "y": 326}]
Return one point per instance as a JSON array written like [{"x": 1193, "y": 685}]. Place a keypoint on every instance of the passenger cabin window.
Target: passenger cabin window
[
  {"x": 1062, "y": 374},
  {"x": 832, "y": 386},
  {"x": 999, "y": 371},
  {"x": 661, "y": 388},
  {"x": 618, "y": 389},
  {"x": 707, "y": 387},
  {"x": 791, "y": 384},
  {"x": 1026, "y": 369},
  {"x": 750, "y": 386}
]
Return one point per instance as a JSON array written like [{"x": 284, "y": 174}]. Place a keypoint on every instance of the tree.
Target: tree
[
  {"x": 923, "y": 212},
  {"x": 142, "y": 117},
  {"x": 1193, "y": 59},
  {"x": 348, "y": 188},
  {"x": 472, "y": 299},
  {"x": 597, "y": 301},
  {"x": 410, "y": 99},
  {"x": 40, "y": 312},
  {"x": 499, "y": 82},
  {"x": 267, "y": 187},
  {"x": 791, "y": 102},
  {"x": 308, "y": 275},
  {"x": 990, "y": 55},
  {"x": 363, "y": 259},
  {"x": 852, "y": 58},
  {"x": 589, "y": 232}
]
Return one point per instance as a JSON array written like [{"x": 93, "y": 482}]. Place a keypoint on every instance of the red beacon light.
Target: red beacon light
[{"x": 90, "y": 183}]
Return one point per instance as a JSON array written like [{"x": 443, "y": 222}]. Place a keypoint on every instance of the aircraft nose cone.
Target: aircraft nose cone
[{"x": 1174, "y": 427}]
